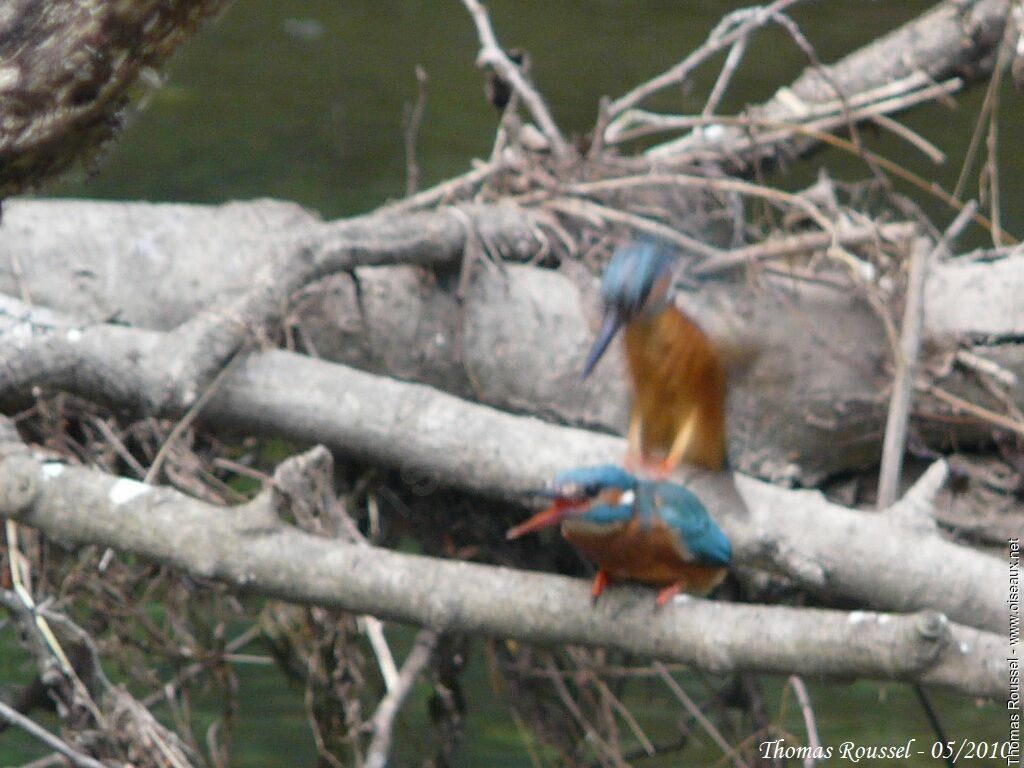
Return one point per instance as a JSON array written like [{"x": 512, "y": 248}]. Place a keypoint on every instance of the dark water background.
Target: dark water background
[{"x": 304, "y": 101}]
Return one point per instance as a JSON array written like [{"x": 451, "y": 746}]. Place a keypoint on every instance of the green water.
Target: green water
[
  {"x": 304, "y": 101},
  {"x": 273, "y": 730}
]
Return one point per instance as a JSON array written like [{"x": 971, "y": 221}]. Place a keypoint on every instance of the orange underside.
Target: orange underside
[
  {"x": 648, "y": 555},
  {"x": 677, "y": 373}
]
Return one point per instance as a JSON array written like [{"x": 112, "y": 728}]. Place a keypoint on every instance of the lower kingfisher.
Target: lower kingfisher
[
  {"x": 678, "y": 374},
  {"x": 656, "y": 533}
]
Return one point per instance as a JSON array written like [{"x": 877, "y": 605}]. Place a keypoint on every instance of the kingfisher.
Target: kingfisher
[
  {"x": 652, "y": 532},
  {"x": 678, "y": 374}
]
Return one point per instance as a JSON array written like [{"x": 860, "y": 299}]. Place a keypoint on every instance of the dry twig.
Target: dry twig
[
  {"x": 492, "y": 55},
  {"x": 383, "y": 721},
  {"x": 894, "y": 442},
  {"x": 39, "y": 733}
]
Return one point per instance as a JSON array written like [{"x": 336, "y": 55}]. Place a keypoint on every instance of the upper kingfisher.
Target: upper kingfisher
[
  {"x": 656, "y": 533},
  {"x": 678, "y": 374}
]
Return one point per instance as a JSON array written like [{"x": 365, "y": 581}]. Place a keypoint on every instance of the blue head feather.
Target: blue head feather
[
  {"x": 631, "y": 274},
  {"x": 687, "y": 517},
  {"x": 600, "y": 478}
]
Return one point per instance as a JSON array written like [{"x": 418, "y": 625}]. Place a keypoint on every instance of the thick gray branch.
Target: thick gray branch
[
  {"x": 518, "y": 338},
  {"x": 293, "y": 249},
  {"x": 249, "y": 548},
  {"x": 474, "y": 447}
]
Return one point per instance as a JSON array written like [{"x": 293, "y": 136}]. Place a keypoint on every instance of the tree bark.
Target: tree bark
[
  {"x": 66, "y": 70},
  {"x": 876, "y": 559},
  {"x": 251, "y": 549},
  {"x": 517, "y": 339}
]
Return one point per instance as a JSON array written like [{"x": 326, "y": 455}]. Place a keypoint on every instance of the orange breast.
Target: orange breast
[
  {"x": 676, "y": 372},
  {"x": 648, "y": 555}
]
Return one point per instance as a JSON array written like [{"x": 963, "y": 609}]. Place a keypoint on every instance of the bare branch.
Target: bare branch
[
  {"x": 384, "y": 718},
  {"x": 895, "y": 440},
  {"x": 492, "y": 55},
  {"x": 247, "y": 547},
  {"x": 921, "y": 257},
  {"x": 39, "y": 733},
  {"x": 178, "y": 371},
  {"x": 804, "y": 699},
  {"x": 795, "y": 245},
  {"x": 518, "y": 337},
  {"x": 953, "y": 38},
  {"x": 470, "y": 446},
  {"x": 732, "y": 28},
  {"x": 696, "y": 714}
]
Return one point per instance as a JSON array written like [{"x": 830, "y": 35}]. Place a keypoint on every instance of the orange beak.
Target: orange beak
[{"x": 553, "y": 515}]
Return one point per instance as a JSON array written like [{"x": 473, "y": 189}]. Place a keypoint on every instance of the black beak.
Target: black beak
[{"x": 609, "y": 327}]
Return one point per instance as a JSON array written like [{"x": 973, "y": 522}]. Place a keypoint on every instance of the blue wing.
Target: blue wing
[{"x": 686, "y": 516}]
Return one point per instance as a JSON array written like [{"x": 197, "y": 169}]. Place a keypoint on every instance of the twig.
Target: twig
[
  {"x": 983, "y": 365},
  {"x": 590, "y": 733},
  {"x": 307, "y": 476},
  {"x": 924, "y": 185},
  {"x": 413, "y": 120},
  {"x": 384, "y": 718},
  {"x": 815, "y": 118},
  {"x": 492, "y": 55},
  {"x": 889, "y": 97},
  {"x": 596, "y": 212},
  {"x": 193, "y": 669},
  {"x": 719, "y": 39},
  {"x": 978, "y": 411},
  {"x": 699, "y": 716},
  {"x": 446, "y": 190},
  {"x": 732, "y": 61},
  {"x": 190, "y": 415},
  {"x": 801, "y": 244},
  {"x": 804, "y": 699},
  {"x": 988, "y": 108},
  {"x": 992, "y": 141},
  {"x": 934, "y": 154},
  {"x": 895, "y": 439},
  {"x": 585, "y": 664},
  {"x": 39, "y": 733},
  {"x": 119, "y": 447},
  {"x": 701, "y": 182},
  {"x": 934, "y": 721},
  {"x": 645, "y": 743},
  {"x": 373, "y": 628}
]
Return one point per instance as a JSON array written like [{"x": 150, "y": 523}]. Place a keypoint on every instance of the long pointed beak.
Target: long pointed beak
[
  {"x": 553, "y": 515},
  {"x": 609, "y": 327}
]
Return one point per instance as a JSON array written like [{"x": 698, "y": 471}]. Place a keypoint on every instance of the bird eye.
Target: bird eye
[{"x": 566, "y": 491}]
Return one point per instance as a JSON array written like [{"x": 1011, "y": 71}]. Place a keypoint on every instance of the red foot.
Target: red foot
[
  {"x": 655, "y": 470},
  {"x": 600, "y": 582},
  {"x": 632, "y": 463},
  {"x": 665, "y": 596},
  {"x": 663, "y": 469}
]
